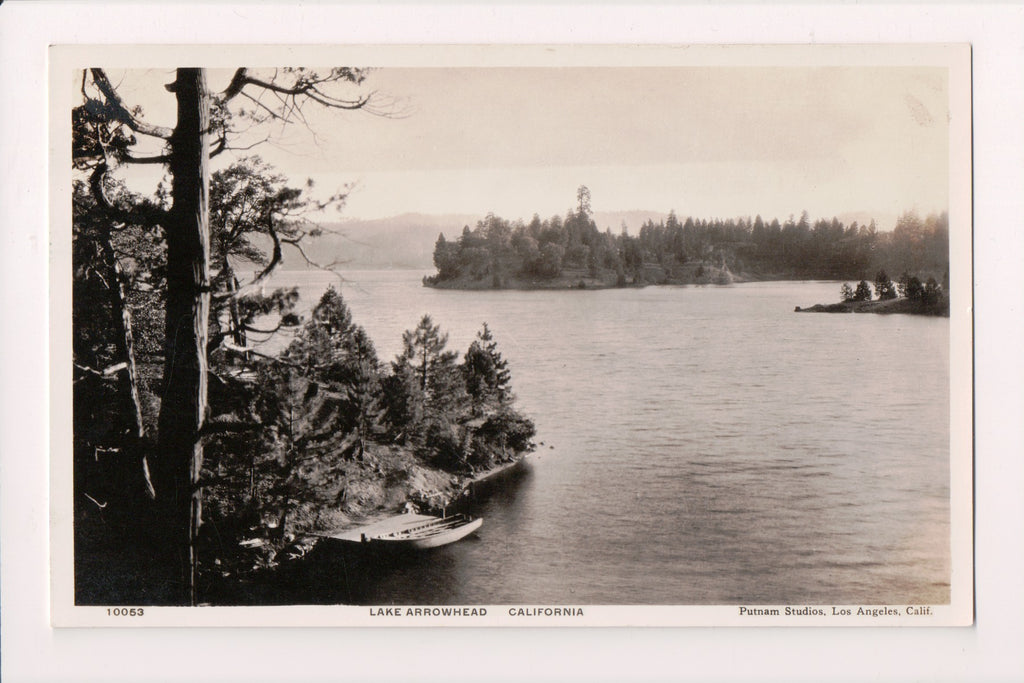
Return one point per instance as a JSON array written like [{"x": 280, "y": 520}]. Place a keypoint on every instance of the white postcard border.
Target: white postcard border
[{"x": 32, "y": 650}]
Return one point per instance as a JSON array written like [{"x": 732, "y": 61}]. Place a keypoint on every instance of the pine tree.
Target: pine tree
[
  {"x": 364, "y": 382},
  {"x": 446, "y": 258},
  {"x": 319, "y": 347},
  {"x": 486, "y": 372},
  {"x": 884, "y": 287},
  {"x": 428, "y": 371},
  {"x": 583, "y": 201},
  {"x": 914, "y": 288},
  {"x": 332, "y": 349}
]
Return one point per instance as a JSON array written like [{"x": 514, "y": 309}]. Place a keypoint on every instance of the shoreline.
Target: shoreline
[
  {"x": 887, "y": 307},
  {"x": 653, "y": 276},
  {"x": 461, "y": 491},
  {"x": 584, "y": 280}
]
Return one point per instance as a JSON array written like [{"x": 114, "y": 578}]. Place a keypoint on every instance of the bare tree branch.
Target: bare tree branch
[
  {"x": 216, "y": 339},
  {"x": 235, "y": 86},
  {"x": 309, "y": 86},
  {"x": 159, "y": 159},
  {"x": 148, "y": 215},
  {"x": 275, "y": 259},
  {"x": 273, "y": 114},
  {"x": 327, "y": 267},
  {"x": 105, "y": 373},
  {"x": 228, "y": 426},
  {"x": 115, "y": 109},
  {"x": 245, "y": 350},
  {"x": 98, "y": 275},
  {"x": 222, "y": 144},
  {"x": 250, "y": 328},
  {"x": 248, "y": 147},
  {"x": 309, "y": 89}
]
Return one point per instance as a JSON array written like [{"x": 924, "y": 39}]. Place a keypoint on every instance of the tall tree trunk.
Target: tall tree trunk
[
  {"x": 126, "y": 349},
  {"x": 237, "y": 331},
  {"x": 183, "y": 405},
  {"x": 123, "y": 339}
]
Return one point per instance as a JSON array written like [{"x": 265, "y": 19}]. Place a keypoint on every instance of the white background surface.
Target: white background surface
[{"x": 988, "y": 651}]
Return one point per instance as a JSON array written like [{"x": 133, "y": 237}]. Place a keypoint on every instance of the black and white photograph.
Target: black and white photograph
[
  {"x": 460, "y": 342},
  {"x": 514, "y": 336}
]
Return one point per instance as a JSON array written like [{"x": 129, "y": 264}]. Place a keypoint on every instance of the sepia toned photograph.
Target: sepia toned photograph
[{"x": 512, "y": 336}]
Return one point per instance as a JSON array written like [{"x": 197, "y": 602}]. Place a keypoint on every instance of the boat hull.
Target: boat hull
[{"x": 430, "y": 537}]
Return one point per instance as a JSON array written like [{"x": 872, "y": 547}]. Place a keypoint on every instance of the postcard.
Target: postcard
[{"x": 517, "y": 336}]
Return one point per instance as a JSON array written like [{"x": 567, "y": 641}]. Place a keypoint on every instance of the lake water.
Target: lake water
[{"x": 701, "y": 445}]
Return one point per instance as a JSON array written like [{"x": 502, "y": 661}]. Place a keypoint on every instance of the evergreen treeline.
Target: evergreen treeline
[
  {"x": 501, "y": 252},
  {"x": 928, "y": 297}
]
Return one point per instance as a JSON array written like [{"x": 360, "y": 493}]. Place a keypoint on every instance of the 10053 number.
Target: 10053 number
[{"x": 124, "y": 611}]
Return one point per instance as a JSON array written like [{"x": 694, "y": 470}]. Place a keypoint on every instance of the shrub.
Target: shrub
[
  {"x": 884, "y": 287},
  {"x": 442, "y": 446},
  {"x": 914, "y": 289},
  {"x": 509, "y": 429}
]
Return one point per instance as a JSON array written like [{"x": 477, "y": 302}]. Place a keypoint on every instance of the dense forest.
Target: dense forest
[
  {"x": 572, "y": 251},
  {"x": 197, "y": 459}
]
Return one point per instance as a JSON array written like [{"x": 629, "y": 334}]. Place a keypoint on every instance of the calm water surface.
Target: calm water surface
[{"x": 701, "y": 445}]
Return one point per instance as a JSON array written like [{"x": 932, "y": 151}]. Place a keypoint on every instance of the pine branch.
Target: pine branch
[{"x": 106, "y": 373}]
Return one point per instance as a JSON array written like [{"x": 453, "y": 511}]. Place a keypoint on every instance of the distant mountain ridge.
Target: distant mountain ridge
[{"x": 407, "y": 241}]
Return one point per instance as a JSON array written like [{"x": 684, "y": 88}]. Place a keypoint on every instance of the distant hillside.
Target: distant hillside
[
  {"x": 633, "y": 220},
  {"x": 884, "y": 221},
  {"x": 407, "y": 240}
]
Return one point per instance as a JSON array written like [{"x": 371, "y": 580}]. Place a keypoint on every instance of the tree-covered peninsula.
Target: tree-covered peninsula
[{"x": 572, "y": 252}]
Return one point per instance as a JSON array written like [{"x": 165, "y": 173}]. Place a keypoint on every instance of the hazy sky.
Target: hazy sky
[{"x": 704, "y": 141}]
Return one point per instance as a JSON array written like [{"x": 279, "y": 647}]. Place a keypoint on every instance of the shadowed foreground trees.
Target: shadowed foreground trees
[{"x": 105, "y": 132}]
